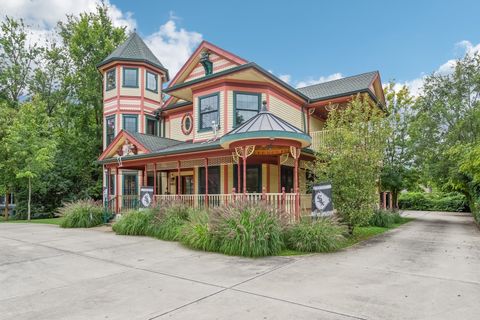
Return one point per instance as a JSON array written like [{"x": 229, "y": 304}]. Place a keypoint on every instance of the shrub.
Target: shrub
[
  {"x": 168, "y": 221},
  {"x": 81, "y": 214},
  {"x": 250, "y": 230},
  {"x": 382, "y": 218},
  {"x": 134, "y": 223},
  {"x": 453, "y": 202},
  {"x": 197, "y": 233},
  {"x": 322, "y": 235}
]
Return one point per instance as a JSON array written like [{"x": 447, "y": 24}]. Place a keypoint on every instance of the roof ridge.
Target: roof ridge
[{"x": 330, "y": 81}]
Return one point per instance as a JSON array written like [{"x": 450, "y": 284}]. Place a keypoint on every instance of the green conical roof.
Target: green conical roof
[{"x": 134, "y": 49}]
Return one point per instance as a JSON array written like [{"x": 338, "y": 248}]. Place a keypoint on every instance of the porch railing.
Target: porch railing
[{"x": 280, "y": 201}]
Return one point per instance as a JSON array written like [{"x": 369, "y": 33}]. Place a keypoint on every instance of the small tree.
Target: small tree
[
  {"x": 352, "y": 159},
  {"x": 398, "y": 159},
  {"x": 31, "y": 144}
]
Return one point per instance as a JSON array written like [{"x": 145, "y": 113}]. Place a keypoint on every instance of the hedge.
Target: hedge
[{"x": 453, "y": 202}]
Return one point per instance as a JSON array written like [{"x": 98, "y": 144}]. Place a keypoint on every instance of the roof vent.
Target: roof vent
[{"x": 206, "y": 63}]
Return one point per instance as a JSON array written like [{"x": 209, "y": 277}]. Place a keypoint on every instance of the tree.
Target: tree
[
  {"x": 7, "y": 177},
  {"x": 352, "y": 158},
  {"x": 31, "y": 143},
  {"x": 397, "y": 162},
  {"x": 446, "y": 128},
  {"x": 17, "y": 58}
]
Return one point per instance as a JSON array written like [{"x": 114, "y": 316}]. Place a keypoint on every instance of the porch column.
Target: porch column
[
  {"x": 245, "y": 170},
  {"x": 154, "y": 178},
  {"x": 279, "y": 177},
  {"x": 145, "y": 177},
  {"x": 206, "y": 182},
  {"x": 117, "y": 191},
  {"x": 108, "y": 187},
  {"x": 238, "y": 176},
  {"x": 179, "y": 180},
  {"x": 296, "y": 155}
]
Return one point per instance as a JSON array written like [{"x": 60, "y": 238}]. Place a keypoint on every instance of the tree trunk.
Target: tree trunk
[
  {"x": 29, "y": 196},
  {"x": 7, "y": 202}
]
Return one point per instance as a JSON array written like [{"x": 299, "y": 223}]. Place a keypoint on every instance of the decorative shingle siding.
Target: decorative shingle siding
[{"x": 219, "y": 64}]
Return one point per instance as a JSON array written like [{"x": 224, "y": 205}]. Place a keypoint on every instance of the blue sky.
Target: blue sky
[
  {"x": 302, "y": 41},
  {"x": 310, "y": 39}
]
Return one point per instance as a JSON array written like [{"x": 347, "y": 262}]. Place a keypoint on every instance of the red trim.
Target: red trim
[
  {"x": 187, "y": 132},
  {"x": 122, "y": 133},
  {"x": 215, "y": 49}
]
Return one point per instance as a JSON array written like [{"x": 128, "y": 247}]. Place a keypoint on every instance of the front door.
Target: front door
[{"x": 130, "y": 191}]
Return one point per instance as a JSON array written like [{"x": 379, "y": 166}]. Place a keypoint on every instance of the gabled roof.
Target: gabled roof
[
  {"x": 195, "y": 57},
  {"x": 344, "y": 86},
  {"x": 134, "y": 49}
]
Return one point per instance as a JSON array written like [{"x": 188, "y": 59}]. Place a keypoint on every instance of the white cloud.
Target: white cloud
[
  {"x": 465, "y": 47},
  {"x": 44, "y": 14},
  {"x": 285, "y": 77},
  {"x": 311, "y": 81},
  {"x": 173, "y": 45}
]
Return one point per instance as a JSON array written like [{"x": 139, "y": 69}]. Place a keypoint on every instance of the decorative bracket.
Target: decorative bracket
[
  {"x": 295, "y": 152},
  {"x": 245, "y": 152},
  {"x": 284, "y": 158}
]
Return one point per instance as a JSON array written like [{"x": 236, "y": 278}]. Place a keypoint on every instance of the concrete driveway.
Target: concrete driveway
[{"x": 427, "y": 269}]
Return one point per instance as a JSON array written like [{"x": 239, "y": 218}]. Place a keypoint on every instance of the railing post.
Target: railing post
[
  {"x": 297, "y": 205},
  {"x": 282, "y": 201},
  {"x": 234, "y": 195},
  {"x": 264, "y": 196}
]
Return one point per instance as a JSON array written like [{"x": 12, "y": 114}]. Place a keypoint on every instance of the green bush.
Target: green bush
[
  {"x": 168, "y": 221},
  {"x": 382, "y": 218},
  {"x": 250, "y": 230},
  {"x": 453, "y": 202},
  {"x": 81, "y": 214},
  {"x": 197, "y": 233},
  {"x": 322, "y": 235},
  {"x": 134, "y": 223}
]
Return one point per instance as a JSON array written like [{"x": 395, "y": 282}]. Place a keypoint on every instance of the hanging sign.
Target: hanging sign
[
  {"x": 146, "y": 197},
  {"x": 322, "y": 203}
]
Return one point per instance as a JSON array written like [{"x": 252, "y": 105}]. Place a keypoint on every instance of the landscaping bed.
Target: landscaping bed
[{"x": 250, "y": 230}]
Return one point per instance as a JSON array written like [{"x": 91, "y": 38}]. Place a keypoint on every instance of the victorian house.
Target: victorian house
[{"x": 223, "y": 128}]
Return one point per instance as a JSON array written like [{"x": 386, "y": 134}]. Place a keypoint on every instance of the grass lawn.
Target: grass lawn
[
  {"x": 359, "y": 234},
  {"x": 56, "y": 221}
]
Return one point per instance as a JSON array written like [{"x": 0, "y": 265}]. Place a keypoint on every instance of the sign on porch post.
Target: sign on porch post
[
  {"x": 322, "y": 203},
  {"x": 146, "y": 197}
]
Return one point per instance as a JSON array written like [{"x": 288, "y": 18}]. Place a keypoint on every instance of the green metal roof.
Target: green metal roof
[
  {"x": 265, "y": 125},
  {"x": 353, "y": 84},
  {"x": 134, "y": 49},
  {"x": 154, "y": 143}
]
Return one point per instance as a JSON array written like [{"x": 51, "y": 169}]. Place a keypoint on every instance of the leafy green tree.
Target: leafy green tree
[
  {"x": 17, "y": 58},
  {"x": 353, "y": 157},
  {"x": 7, "y": 177},
  {"x": 446, "y": 128},
  {"x": 397, "y": 164},
  {"x": 32, "y": 144}
]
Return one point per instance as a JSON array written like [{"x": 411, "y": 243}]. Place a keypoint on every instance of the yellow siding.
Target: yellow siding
[
  {"x": 230, "y": 178},
  {"x": 316, "y": 124},
  {"x": 274, "y": 178},
  {"x": 286, "y": 112},
  {"x": 167, "y": 129},
  {"x": 176, "y": 130},
  {"x": 208, "y": 134},
  {"x": 150, "y": 94},
  {"x": 302, "y": 180},
  {"x": 219, "y": 65},
  {"x": 264, "y": 177},
  {"x": 230, "y": 110}
]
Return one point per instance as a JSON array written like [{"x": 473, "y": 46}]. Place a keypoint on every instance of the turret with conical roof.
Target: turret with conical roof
[{"x": 132, "y": 90}]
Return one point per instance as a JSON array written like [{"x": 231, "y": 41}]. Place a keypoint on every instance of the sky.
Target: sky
[{"x": 303, "y": 42}]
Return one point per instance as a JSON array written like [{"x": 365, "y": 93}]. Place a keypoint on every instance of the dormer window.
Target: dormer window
[
  {"x": 130, "y": 77},
  {"x": 110, "y": 81},
  {"x": 152, "y": 82}
]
